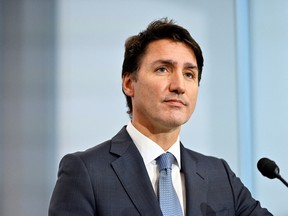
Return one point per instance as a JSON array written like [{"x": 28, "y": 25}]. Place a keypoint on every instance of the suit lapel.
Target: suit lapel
[
  {"x": 132, "y": 173},
  {"x": 195, "y": 183}
]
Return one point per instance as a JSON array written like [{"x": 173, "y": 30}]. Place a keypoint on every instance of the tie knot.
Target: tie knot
[{"x": 165, "y": 161}]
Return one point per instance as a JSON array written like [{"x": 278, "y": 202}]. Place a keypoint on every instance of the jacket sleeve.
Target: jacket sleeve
[
  {"x": 73, "y": 192},
  {"x": 245, "y": 204}
]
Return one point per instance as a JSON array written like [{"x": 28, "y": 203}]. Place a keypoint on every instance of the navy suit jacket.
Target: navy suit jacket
[{"x": 110, "y": 179}]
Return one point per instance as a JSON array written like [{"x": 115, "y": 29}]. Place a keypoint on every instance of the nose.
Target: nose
[{"x": 177, "y": 83}]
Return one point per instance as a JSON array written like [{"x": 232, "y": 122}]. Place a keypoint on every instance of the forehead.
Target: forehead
[{"x": 166, "y": 48}]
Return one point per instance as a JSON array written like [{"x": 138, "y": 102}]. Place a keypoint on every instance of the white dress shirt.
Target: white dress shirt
[{"x": 149, "y": 151}]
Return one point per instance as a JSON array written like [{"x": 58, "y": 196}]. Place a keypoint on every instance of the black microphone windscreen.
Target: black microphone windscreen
[{"x": 268, "y": 168}]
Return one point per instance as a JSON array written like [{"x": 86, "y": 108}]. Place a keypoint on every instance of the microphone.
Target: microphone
[{"x": 269, "y": 169}]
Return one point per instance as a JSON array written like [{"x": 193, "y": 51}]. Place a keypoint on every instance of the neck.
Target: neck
[{"x": 164, "y": 138}]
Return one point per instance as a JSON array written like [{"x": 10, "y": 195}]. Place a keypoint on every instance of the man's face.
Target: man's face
[{"x": 165, "y": 92}]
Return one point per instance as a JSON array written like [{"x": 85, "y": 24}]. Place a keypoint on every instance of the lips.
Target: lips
[{"x": 175, "y": 102}]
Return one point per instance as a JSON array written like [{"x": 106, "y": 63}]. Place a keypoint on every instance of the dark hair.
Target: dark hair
[{"x": 135, "y": 47}]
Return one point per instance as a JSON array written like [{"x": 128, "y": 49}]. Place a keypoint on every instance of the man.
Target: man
[{"x": 160, "y": 77}]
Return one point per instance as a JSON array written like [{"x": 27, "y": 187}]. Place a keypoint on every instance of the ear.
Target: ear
[{"x": 128, "y": 84}]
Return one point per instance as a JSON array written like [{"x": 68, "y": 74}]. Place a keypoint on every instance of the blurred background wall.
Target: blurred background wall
[{"x": 60, "y": 87}]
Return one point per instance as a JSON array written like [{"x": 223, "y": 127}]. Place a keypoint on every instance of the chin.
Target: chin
[
  {"x": 174, "y": 123},
  {"x": 172, "y": 120},
  {"x": 178, "y": 119}
]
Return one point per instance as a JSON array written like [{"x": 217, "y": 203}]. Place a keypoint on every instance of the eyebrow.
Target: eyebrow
[{"x": 171, "y": 62}]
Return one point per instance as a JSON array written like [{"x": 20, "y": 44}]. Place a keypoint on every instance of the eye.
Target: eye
[
  {"x": 189, "y": 75},
  {"x": 161, "y": 70}
]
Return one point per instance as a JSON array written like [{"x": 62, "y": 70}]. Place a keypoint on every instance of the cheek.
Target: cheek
[
  {"x": 142, "y": 94},
  {"x": 148, "y": 89},
  {"x": 193, "y": 98}
]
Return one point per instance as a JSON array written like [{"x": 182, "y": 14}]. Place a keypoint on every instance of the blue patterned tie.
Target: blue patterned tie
[{"x": 168, "y": 199}]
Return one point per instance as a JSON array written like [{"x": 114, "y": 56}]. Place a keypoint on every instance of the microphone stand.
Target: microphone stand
[{"x": 282, "y": 180}]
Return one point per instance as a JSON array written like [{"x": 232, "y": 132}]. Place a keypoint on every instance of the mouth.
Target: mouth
[{"x": 175, "y": 102}]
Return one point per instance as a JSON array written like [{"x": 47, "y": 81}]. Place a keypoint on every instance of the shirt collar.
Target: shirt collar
[{"x": 150, "y": 150}]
